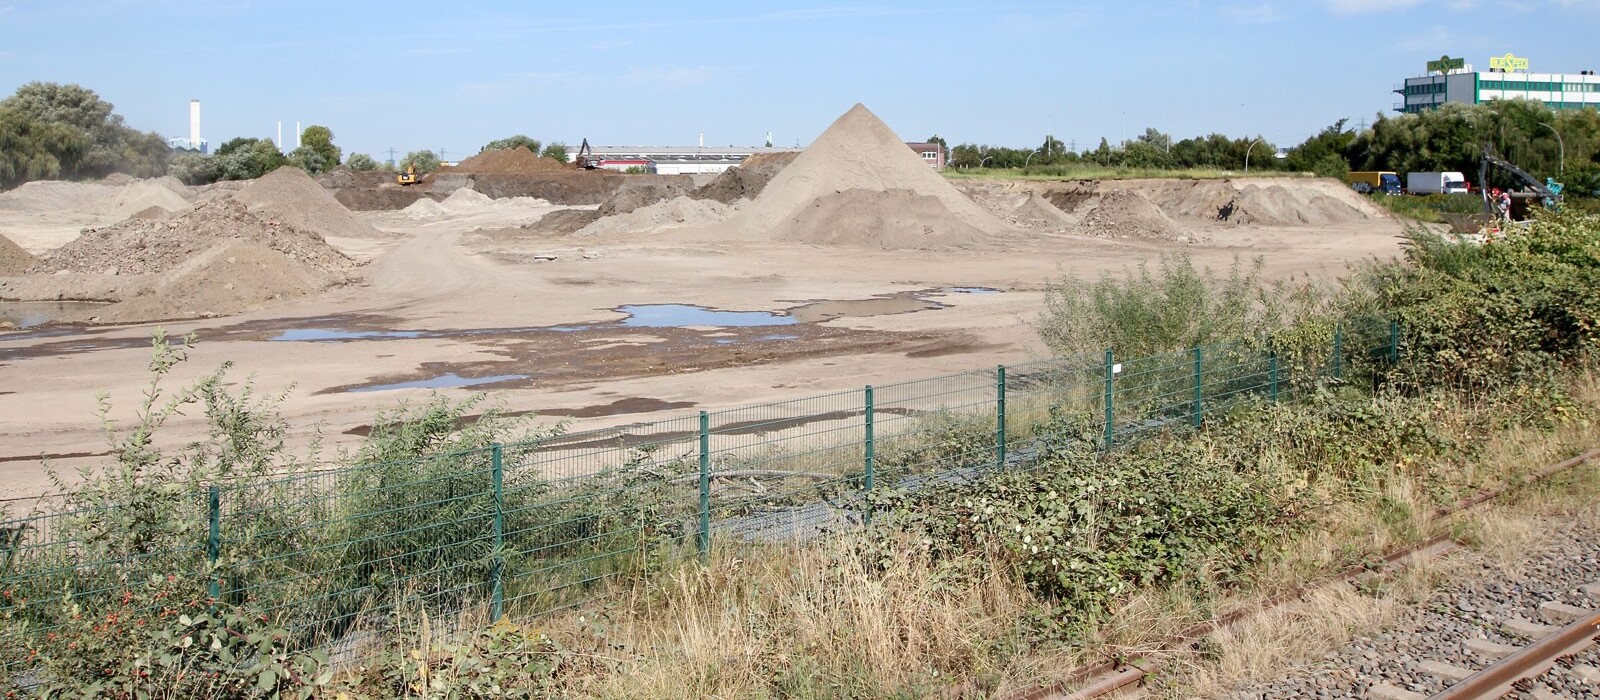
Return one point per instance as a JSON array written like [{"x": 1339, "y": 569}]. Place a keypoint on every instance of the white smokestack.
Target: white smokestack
[
  {"x": 297, "y": 134},
  {"x": 702, "y": 139},
  {"x": 194, "y": 123}
]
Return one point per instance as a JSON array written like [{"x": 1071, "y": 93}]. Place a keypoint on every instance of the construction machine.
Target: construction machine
[
  {"x": 586, "y": 159},
  {"x": 409, "y": 177},
  {"x": 1548, "y": 192}
]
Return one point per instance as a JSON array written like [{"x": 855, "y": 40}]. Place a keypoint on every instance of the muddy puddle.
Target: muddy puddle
[
  {"x": 684, "y": 315},
  {"x": 450, "y": 380},
  {"x": 30, "y": 314}
]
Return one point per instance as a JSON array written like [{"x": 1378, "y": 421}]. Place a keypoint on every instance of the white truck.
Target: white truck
[{"x": 1436, "y": 183}]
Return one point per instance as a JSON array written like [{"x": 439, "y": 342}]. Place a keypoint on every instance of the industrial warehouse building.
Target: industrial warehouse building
[
  {"x": 1454, "y": 80},
  {"x": 696, "y": 160}
]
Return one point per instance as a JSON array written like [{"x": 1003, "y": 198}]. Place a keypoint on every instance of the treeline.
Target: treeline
[
  {"x": 1560, "y": 144},
  {"x": 54, "y": 131}
]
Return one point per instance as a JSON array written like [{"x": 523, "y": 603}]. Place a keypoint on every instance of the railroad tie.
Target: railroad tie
[
  {"x": 1592, "y": 590},
  {"x": 1444, "y": 672},
  {"x": 1560, "y": 613},
  {"x": 1384, "y": 691},
  {"x": 1586, "y": 673},
  {"x": 1526, "y": 629},
  {"x": 1489, "y": 650}
]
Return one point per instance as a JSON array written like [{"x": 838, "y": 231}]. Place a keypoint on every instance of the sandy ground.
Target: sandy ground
[{"x": 485, "y": 305}]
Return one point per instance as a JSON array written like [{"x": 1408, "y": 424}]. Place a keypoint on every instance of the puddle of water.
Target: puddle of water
[
  {"x": 316, "y": 334},
  {"x": 972, "y": 290},
  {"x": 679, "y": 315},
  {"x": 443, "y": 381},
  {"x": 779, "y": 337},
  {"x": 27, "y": 314}
]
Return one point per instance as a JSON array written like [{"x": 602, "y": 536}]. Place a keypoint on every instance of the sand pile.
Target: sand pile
[
  {"x": 746, "y": 180},
  {"x": 140, "y": 195},
  {"x": 858, "y": 185},
  {"x": 227, "y": 278},
  {"x": 13, "y": 259},
  {"x": 54, "y": 195},
  {"x": 508, "y": 161},
  {"x": 142, "y": 246},
  {"x": 564, "y": 221},
  {"x": 467, "y": 201},
  {"x": 679, "y": 211},
  {"x": 1278, "y": 205},
  {"x": 1261, "y": 201},
  {"x": 1127, "y": 214},
  {"x": 1038, "y": 212},
  {"x": 634, "y": 195},
  {"x": 290, "y": 196}
]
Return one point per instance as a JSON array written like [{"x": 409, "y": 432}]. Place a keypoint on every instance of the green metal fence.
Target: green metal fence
[{"x": 342, "y": 557}]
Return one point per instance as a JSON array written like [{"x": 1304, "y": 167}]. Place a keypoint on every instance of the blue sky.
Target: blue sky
[{"x": 453, "y": 75}]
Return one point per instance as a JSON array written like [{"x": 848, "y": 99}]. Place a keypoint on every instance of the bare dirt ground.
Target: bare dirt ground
[{"x": 482, "y": 296}]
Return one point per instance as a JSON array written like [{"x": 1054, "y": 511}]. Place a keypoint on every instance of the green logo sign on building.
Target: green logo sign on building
[
  {"x": 1445, "y": 64},
  {"x": 1508, "y": 62}
]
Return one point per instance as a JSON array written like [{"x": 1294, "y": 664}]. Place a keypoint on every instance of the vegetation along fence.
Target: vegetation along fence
[{"x": 341, "y": 557}]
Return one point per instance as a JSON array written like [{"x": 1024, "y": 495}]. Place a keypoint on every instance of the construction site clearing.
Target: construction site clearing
[{"x": 591, "y": 296}]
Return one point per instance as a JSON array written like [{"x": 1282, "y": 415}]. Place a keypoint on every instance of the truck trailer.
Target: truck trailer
[
  {"x": 1436, "y": 183},
  {"x": 1368, "y": 181}
]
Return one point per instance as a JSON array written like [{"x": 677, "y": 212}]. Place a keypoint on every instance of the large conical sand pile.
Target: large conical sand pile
[
  {"x": 289, "y": 195},
  {"x": 859, "y": 185},
  {"x": 13, "y": 259}
]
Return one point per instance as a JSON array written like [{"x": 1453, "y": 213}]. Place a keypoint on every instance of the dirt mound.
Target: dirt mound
[
  {"x": 888, "y": 219},
  {"x": 343, "y": 176},
  {"x": 424, "y": 209},
  {"x": 679, "y": 211},
  {"x": 860, "y": 170},
  {"x": 1279, "y": 205},
  {"x": 138, "y": 196},
  {"x": 564, "y": 221},
  {"x": 151, "y": 213},
  {"x": 1261, "y": 201},
  {"x": 289, "y": 195},
  {"x": 1038, "y": 212},
  {"x": 141, "y": 246},
  {"x": 13, "y": 259},
  {"x": 508, "y": 161},
  {"x": 632, "y": 196},
  {"x": 746, "y": 180},
  {"x": 229, "y": 277},
  {"x": 54, "y": 195},
  {"x": 1127, "y": 214}
]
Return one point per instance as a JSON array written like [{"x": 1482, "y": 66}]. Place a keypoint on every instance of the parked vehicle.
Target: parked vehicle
[
  {"x": 1436, "y": 183},
  {"x": 1368, "y": 181}
]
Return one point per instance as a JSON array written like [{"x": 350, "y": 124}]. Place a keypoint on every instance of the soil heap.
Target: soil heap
[
  {"x": 166, "y": 193},
  {"x": 1127, "y": 214},
  {"x": 859, "y": 185},
  {"x": 289, "y": 195},
  {"x": 53, "y": 195},
  {"x": 633, "y": 195},
  {"x": 508, "y": 161},
  {"x": 679, "y": 211},
  {"x": 747, "y": 179},
  {"x": 13, "y": 259}
]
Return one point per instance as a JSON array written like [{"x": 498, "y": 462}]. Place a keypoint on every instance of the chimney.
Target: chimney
[
  {"x": 194, "y": 124},
  {"x": 297, "y": 134}
]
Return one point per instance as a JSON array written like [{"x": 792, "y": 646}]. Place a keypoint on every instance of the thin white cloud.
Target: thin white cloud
[
  {"x": 1358, "y": 7},
  {"x": 1259, "y": 13}
]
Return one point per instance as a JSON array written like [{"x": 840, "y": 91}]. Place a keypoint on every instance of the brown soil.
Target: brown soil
[
  {"x": 230, "y": 277},
  {"x": 508, "y": 161},
  {"x": 565, "y": 221},
  {"x": 746, "y": 180},
  {"x": 633, "y": 195},
  {"x": 13, "y": 259},
  {"x": 381, "y": 198},
  {"x": 141, "y": 246},
  {"x": 679, "y": 211},
  {"x": 1125, "y": 214},
  {"x": 289, "y": 195},
  {"x": 853, "y": 187}
]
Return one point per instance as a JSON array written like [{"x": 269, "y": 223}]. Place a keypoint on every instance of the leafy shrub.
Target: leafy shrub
[{"x": 162, "y": 638}]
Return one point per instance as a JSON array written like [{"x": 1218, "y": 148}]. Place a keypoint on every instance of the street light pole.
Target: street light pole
[
  {"x": 1561, "y": 145},
  {"x": 1247, "y": 154},
  {"x": 1029, "y": 158}
]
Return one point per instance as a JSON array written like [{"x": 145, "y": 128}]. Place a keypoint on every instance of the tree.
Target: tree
[
  {"x": 1324, "y": 152},
  {"x": 195, "y": 168},
  {"x": 320, "y": 140},
  {"x": 519, "y": 140},
  {"x": 361, "y": 162},
  {"x": 423, "y": 161},
  {"x": 308, "y": 159},
  {"x": 33, "y": 150},
  {"x": 81, "y": 133},
  {"x": 247, "y": 158},
  {"x": 557, "y": 151}
]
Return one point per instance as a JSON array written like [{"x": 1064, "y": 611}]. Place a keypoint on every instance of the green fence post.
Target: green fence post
[
  {"x": 214, "y": 541},
  {"x": 866, "y": 485},
  {"x": 1110, "y": 399},
  {"x": 1394, "y": 341},
  {"x": 1272, "y": 376},
  {"x": 1197, "y": 409},
  {"x": 1000, "y": 417},
  {"x": 1338, "y": 351},
  {"x": 704, "y": 539},
  {"x": 497, "y": 595}
]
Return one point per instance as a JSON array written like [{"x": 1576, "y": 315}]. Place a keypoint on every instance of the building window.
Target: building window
[{"x": 930, "y": 155}]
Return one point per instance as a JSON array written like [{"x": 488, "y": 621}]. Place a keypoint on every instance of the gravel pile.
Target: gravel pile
[{"x": 1475, "y": 608}]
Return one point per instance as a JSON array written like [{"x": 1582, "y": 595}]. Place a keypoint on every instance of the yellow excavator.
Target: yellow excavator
[{"x": 409, "y": 177}]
